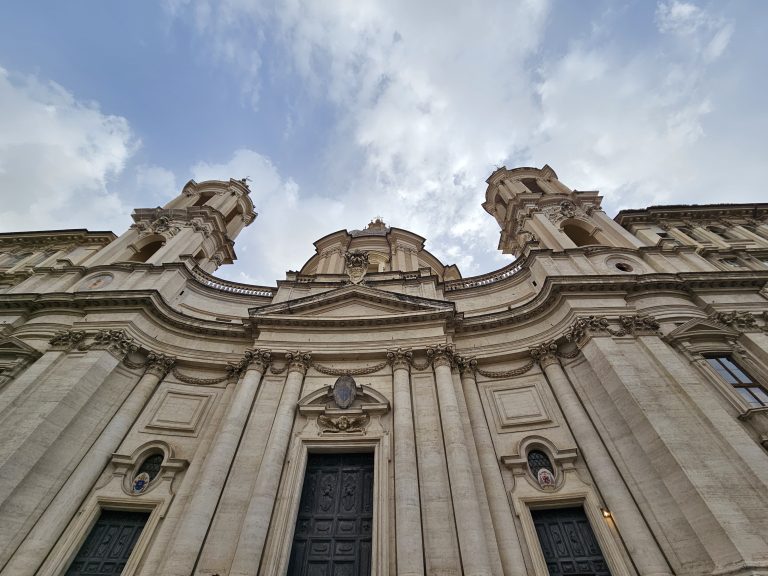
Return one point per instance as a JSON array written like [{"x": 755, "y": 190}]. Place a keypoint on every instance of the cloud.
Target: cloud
[
  {"x": 431, "y": 97},
  {"x": 57, "y": 158}
]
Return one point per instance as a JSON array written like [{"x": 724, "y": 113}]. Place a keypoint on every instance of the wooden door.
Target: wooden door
[
  {"x": 110, "y": 543},
  {"x": 568, "y": 543},
  {"x": 335, "y": 520}
]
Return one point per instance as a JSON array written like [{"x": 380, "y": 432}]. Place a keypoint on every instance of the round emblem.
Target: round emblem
[
  {"x": 140, "y": 483},
  {"x": 344, "y": 391},
  {"x": 98, "y": 281}
]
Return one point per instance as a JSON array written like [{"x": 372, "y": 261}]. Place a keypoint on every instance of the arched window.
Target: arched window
[
  {"x": 147, "y": 251},
  {"x": 203, "y": 198},
  {"x": 151, "y": 465},
  {"x": 578, "y": 235},
  {"x": 538, "y": 460}
]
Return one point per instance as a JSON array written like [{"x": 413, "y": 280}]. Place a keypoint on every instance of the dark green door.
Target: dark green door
[
  {"x": 334, "y": 525},
  {"x": 108, "y": 546},
  {"x": 569, "y": 545}
]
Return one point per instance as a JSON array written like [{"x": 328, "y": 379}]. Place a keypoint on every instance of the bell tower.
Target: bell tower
[
  {"x": 202, "y": 222},
  {"x": 534, "y": 209}
]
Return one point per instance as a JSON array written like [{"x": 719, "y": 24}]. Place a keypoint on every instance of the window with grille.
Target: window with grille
[
  {"x": 753, "y": 393},
  {"x": 538, "y": 460}
]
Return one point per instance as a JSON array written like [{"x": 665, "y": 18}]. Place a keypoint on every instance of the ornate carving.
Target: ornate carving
[
  {"x": 257, "y": 358},
  {"x": 67, "y": 339},
  {"x": 159, "y": 364},
  {"x": 357, "y": 265},
  {"x": 584, "y": 325},
  {"x": 116, "y": 341},
  {"x": 545, "y": 352},
  {"x": 466, "y": 365},
  {"x": 736, "y": 320},
  {"x": 298, "y": 361},
  {"x": 566, "y": 209},
  {"x": 348, "y": 371},
  {"x": 636, "y": 323},
  {"x": 329, "y": 424},
  {"x": 507, "y": 373},
  {"x": 199, "y": 381},
  {"x": 442, "y": 354},
  {"x": 400, "y": 358}
]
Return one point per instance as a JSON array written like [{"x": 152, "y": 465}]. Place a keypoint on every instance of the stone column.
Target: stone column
[
  {"x": 62, "y": 509},
  {"x": 197, "y": 516},
  {"x": 638, "y": 538},
  {"x": 410, "y": 551},
  {"x": 254, "y": 530},
  {"x": 469, "y": 521},
  {"x": 501, "y": 513}
]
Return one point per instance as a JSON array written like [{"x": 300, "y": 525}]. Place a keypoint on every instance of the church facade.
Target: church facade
[{"x": 599, "y": 406}]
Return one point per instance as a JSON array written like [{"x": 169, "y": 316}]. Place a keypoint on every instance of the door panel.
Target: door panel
[
  {"x": 335, "y": 521},
  {"x": 110, "y": 543},
  {"x": 568, "y": 543}
]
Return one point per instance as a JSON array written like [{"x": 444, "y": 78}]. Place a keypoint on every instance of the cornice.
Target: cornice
[
  {"x": 693, "y": 212},
  {"x": 557, "y": 287},
  {"x": 149, "y": 301}
]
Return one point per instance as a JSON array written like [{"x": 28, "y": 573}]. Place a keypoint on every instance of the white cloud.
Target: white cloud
[
  {"x": 57, "y": 157},
  {"x": 707, "y": 34}
]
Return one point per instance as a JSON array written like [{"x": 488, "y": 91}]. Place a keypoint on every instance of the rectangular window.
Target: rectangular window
[{"x": 752, "y": 392}]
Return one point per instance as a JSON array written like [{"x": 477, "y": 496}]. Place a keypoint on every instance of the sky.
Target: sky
[{"x": 343, "y": 110}]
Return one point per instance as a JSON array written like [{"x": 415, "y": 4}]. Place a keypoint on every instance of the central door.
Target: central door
[{"x": 334, "y": 525}]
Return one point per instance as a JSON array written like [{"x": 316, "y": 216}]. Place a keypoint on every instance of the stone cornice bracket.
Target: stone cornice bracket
[
  {"x": 67, "y": 339},
  {"x": 545, "y": 353},
  {"x": 466, "y": 365},
  {"x": 159, "y": 364},
  {"x": 298, "y": 361},
  {"x": 441, "y": 355},
  {"x": 400, "y": 358}
]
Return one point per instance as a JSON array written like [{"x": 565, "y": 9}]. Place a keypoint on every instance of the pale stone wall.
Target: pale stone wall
[{"x": 594, "y": 355}]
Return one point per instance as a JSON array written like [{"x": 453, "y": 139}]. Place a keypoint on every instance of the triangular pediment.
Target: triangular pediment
[
  {"x": 351, "y": 301},
  {"x": 702, "y": 329},
  {"x": 11, "y": 345},
  {"x": 354, "y": 304}
]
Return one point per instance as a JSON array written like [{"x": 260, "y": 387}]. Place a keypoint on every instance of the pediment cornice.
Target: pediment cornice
[{"x": 381, "y": 307}]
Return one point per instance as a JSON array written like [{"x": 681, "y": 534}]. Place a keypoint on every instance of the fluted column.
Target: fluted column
[
  {"x": 62, "y": 509},
  {"x": 254, "y": 531},
  {"x": 501, "y": 514},
  {"x": 634, "y": 531},
  {"x": 410, "y": 550},
  {"x": 194, "y": 522},
  {"x": 469, "y": 521}
]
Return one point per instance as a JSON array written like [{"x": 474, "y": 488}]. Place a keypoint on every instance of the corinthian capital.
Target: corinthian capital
[
  {"x": 400, "y": 358},
  {"x": 159, "y": 364},
  {"x": 441, "y": 355},
  {"x": 545, "y": 353},
  {"x": 298, "y": 361},
  {"x": 466, "y": 365}
]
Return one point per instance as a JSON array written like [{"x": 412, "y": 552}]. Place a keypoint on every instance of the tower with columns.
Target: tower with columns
[{"x": 597, "y": 406}]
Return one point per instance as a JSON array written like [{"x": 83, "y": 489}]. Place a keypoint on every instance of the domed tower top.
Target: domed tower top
[{"x": 533, "y": 208}]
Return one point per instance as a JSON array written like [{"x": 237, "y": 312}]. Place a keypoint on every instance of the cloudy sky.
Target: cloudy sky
[{"x": 342, "y": 110}]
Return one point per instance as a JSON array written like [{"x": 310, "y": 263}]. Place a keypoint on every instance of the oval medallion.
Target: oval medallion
[{"x": 344, "y": 391}]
